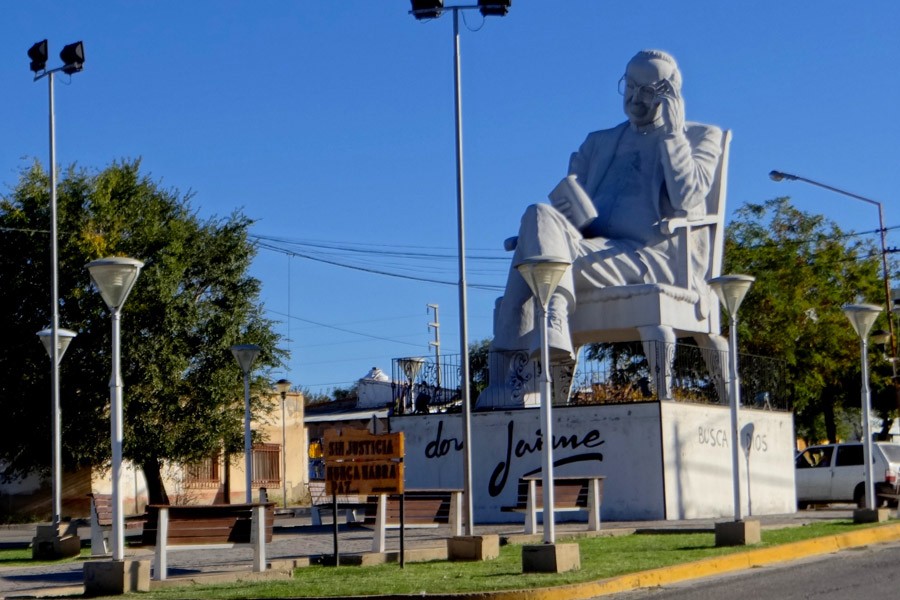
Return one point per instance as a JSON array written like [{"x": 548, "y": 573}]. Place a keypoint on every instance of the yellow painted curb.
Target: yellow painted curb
[{"x": 696, "y": 570}]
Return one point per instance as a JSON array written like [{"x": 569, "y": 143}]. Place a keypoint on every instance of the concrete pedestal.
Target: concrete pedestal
[
  {"x": 114, "y": 577},
  {"x": 873, "y": 515},
  {"x": 49, "y": 544},
  {"x": 738, "y": 533},
  {"x": 551, "y": 558},
  {"x": 473, "y": 547}
]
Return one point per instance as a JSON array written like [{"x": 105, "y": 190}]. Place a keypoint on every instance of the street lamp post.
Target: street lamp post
[
  {"x": 543, "y": 273},
  {"x": 114, "y": 278},
  {"x": 283, "y": 386},
  {"x": 63, "y": 338},
  {"x": 731, "y": 290},
  {"x": 432, "y": 9},
  {"x": 410, "y": 367},
  {"x": 72, "y": 56},
  {"x": 245, "y": 354},
  {"x": 862, "y": 317},
  {"x": 781, "y": 176}
]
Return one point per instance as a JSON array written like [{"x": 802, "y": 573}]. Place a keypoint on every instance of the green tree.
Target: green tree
[
  {"x": 479, "y": 367},
  {"x": 806, "y": 268},
  {"x": 183, "y": 397}
]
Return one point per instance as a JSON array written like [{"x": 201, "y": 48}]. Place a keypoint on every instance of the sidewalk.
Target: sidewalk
[{"x": 297, "y": 541}]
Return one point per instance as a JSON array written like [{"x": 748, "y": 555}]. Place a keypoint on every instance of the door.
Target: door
[
  {"x": 848, "y": 471},
  {"x": 813, "y": 473}
]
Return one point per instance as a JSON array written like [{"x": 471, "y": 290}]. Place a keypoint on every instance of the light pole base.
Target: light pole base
[
  {"x": 738, "y": 533},
  {"x": 871, "y": 515},
  {"x": 49, "y": 544},
  {"x": 473, "y": 547},
  {"x": 116, "y": 577},
  {"x": 551, "y": 558}
]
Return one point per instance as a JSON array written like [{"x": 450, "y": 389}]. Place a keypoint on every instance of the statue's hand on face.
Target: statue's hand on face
[{"x": 672, "y": 106}]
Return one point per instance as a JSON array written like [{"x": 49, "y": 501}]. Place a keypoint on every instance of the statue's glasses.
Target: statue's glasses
[{"x": 643, "y": 93}]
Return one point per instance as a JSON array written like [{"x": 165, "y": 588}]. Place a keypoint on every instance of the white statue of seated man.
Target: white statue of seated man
[{"x": 606, "y": 219}]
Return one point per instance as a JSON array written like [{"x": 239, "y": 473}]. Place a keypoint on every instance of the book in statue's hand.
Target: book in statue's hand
[{"x": 570, "y": 199}]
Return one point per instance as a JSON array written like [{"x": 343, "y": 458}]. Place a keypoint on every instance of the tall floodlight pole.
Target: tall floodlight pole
[
  {"x": 245, "y": 354},
  {"x": 862, "y": 317},
  {"x": 432, "y": 9},
  {"x": 731, "y": 290},
  {"x": 888, "y": 302},
  {"x": 283, "y": 386},
  {"x": 72, "y": 56},
  {"x": 543, "y": 274},
  {"x": 114, "y": 278}
]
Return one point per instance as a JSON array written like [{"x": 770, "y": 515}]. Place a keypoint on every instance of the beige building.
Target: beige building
[{"x": 280, "y": 465}]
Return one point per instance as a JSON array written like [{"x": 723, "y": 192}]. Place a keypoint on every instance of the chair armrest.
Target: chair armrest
[{"x": 669, "y": 226}]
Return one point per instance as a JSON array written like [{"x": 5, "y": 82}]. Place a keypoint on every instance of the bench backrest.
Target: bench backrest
[
  {"x": 567, "y": 493},
  {"x": 101, "y": 507},
  {"x": 208, "y": 524},
  {"x": 420, "y": 507}
]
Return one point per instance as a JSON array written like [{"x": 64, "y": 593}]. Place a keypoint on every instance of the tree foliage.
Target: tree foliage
[
  {"x": 806, "y": 269},
  {"x": 183, "y": 397}
]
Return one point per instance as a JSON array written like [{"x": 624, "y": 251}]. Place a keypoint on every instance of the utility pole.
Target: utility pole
[{"x": 436, "y": 344}]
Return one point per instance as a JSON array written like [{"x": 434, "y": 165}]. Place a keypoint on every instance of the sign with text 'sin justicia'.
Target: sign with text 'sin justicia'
[{"x": 358, "y": 462}]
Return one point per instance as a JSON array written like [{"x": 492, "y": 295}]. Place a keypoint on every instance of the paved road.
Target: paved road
[
  {"x": 294, "y": 537},
  {"x": 870, "y": 572}
]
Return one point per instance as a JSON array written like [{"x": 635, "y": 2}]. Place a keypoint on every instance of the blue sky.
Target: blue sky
[{"x": 331, "y": 124}]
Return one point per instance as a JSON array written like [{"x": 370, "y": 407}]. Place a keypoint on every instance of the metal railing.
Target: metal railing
[{"x": 605, "y": 374}]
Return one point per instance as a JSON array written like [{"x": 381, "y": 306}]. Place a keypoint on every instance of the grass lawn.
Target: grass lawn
[
  {"x": 601, "y": 557},
  {"x": 21, "y": 557}
]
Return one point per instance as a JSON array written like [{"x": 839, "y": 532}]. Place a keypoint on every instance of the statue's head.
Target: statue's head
[{"x": 645, "y": 71}]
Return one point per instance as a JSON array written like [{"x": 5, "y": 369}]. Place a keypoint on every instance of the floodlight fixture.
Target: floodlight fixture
[
  {"x": 72, "y": 56},
  {"x": 427, "y": 9},
  {"x": 494, "y": 8},
  {"x": 38, "y": 56}
]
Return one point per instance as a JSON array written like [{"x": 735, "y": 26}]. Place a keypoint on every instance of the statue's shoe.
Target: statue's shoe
[{"x": 558, "y": 338}]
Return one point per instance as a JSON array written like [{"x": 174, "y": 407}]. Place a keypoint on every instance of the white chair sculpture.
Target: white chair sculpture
[
  {"x": 655, "y": 314},
  {"x": 659, "y": 314}
]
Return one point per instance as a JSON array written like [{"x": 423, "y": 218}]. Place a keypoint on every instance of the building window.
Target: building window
[
  {"x": 266, "y": 465},
  {"x": 203, "y": 474}
]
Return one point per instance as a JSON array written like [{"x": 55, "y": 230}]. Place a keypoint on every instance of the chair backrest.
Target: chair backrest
[{"x": 715, "y": 205}]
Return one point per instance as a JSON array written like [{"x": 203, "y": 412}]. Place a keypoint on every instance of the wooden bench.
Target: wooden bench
[
  {"x": 173, "y": 528},
  {"x": 570, "y": 493},
  {"x": 101, "y": 523},
  {"x": 421, "y": 508},
  {"x": 349, "y": 504}
]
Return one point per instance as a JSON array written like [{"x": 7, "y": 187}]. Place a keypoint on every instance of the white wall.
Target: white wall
[
  {"x": 698, "y": 457},
  {"x": 621, "y": 442}
]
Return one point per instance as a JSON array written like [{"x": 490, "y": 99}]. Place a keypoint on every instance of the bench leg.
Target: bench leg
[
  {"x": 316, "y": 516},
  {"x": 258, "y": 538},
  {"x": 456, "y": 517},
  {"x": 531, "y": 509},
  {"x": 378, "y": 536},
  {"x": 162, "y": 538},
  {"x": 594, "y": 505},
  {"x": 99, "y": 546}
]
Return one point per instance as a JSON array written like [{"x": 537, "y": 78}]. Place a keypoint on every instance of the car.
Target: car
[{"x": 834, "y": 473}]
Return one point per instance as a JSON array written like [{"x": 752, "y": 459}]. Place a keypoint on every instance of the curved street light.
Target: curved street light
[
  {"x": 114, "y": 278},
  {"x": 862, "y": 317},
  {"x": 543, "y": 274},
  {"x": 63, "y": 338},
  {"x": 283, "y": 386},
  {"x": 245, "y": 354}
]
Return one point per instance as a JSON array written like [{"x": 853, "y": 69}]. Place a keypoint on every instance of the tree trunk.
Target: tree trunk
[
  {"x": 156, "y": 489},
  {"x": 830, "y": 425},
  {"x": 226, "y": 488}
]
